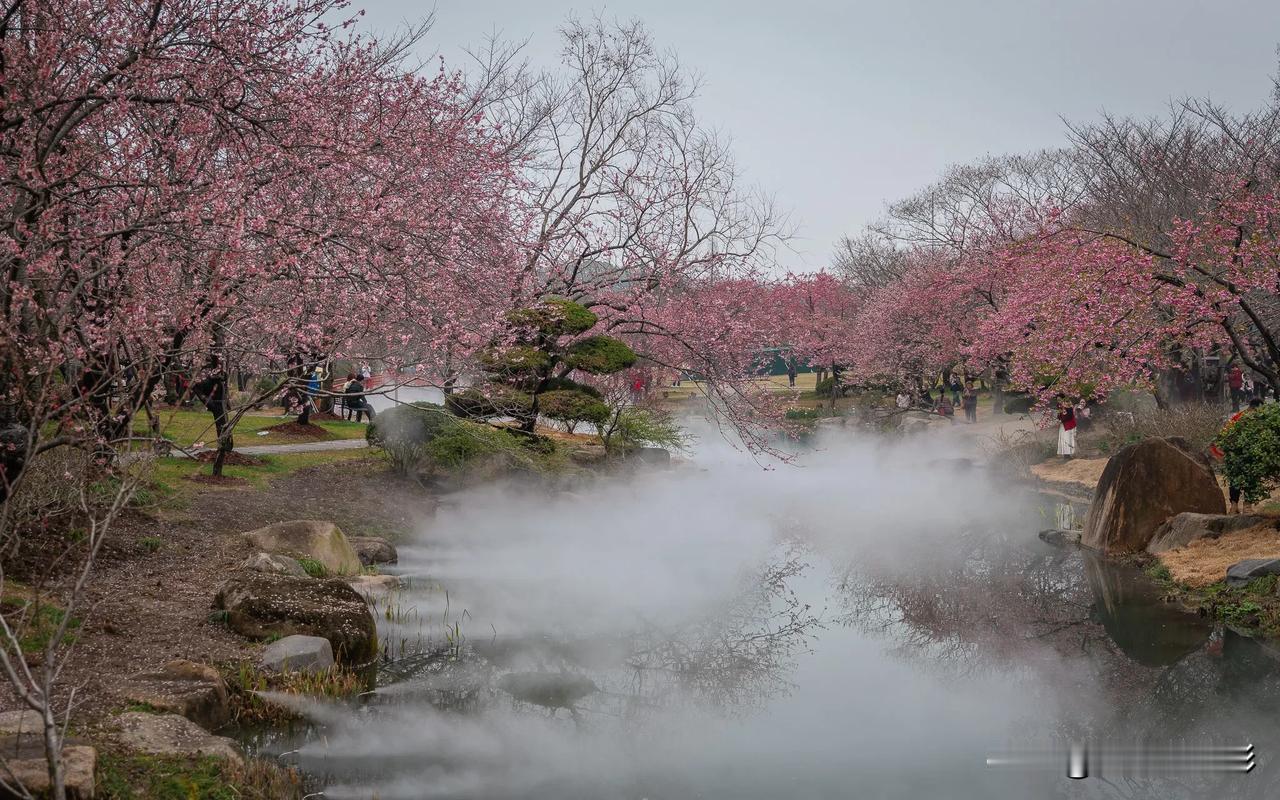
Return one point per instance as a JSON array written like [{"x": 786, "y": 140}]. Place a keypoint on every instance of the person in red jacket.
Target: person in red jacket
[
  {"x": 1066, "y": 430},
  {"x": 1235, "y": 380}
]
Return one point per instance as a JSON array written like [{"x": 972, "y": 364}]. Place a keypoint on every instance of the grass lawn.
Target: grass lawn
[
  {"x": 169, "y": 475},
  {"x": 185, "y": 427}
]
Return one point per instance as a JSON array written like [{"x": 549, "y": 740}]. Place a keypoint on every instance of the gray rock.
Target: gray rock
[
  {"x": 273, "y": 563},
  {"x": 589, "y": 454},
  {"x": 369, "y": 585},
  {"x": 308, "y": 538},
  {"x": 655, "y": 456},
  {"x": 172, "y": 735},
  {"x": 21, "y": 721},
  {"x": 1245, "y": 571},
  {"x": 1059, "y": 537},
  {"x": 24, "y": 762},
  {"x": 1187, "y": 527},
  {"x": 297, "y": 653},
  {"x": 263, "y": 606},
  {"x": 374, "y": 550},
  {"x": 192, "y": 690}
]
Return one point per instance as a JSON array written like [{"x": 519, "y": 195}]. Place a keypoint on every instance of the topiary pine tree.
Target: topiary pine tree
[{"x": 527, "y": 376}]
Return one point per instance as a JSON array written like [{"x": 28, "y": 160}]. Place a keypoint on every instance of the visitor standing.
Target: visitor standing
[
  {"x": 970, "y": 402},
  {"x": 957, "y": 390},
  {"x": 1066, "y": 430},
  {"x": 1235, "y": 380},
  {"x": 791, "y": 374}
]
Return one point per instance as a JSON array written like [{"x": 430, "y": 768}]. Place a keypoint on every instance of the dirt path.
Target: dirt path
[{"x": 150, "y": 597}]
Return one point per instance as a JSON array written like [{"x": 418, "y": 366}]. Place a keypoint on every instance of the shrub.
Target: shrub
[
  {"x": 495, "y": 401},
  {"x": 572, "y": 405},
  {"x": 637, "y": 426},
  {"x": 824, "y": 387},
  {"x": 1251, "y": 452},
  {"x": 555, "y": 317},
  {"x": 1198, "y": 423},
  {"x": 402, "y": 431},
  {"x": 516, "y": 360},
  {"x": 600, "y": 355}
]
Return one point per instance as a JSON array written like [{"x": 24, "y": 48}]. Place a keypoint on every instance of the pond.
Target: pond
[{"x": 874, "y": 620}]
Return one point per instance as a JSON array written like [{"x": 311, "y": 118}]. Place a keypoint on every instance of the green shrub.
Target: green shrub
[
  {"x": 637, "y": 426},
  {"x": 600, "y": 355},
  {"x": 515, "y": 360},
  {"x": 572, "y": 405},
  {"x": 495, "y": 401},
  {"x": 824, "y": 387},
  {"x": 555, "y": 317},
  {"x": 1251, "y": 452}
]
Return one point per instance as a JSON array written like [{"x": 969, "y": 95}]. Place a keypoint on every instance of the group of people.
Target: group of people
[
  {"x": 950, "y": 395},
  {"x": 299, "y": 397}
]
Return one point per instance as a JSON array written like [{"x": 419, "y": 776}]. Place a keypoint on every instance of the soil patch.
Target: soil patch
[
  {"x": 1205, "y": 561},
  {"x": 298, "y": 429},
  {"x": 233, "y": 458},
  {"x": 1083, "y": 471},
  {"x": 149, "y": 605}
]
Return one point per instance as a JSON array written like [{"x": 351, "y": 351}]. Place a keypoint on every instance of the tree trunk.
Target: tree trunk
[{"x": 225, "y": 442}]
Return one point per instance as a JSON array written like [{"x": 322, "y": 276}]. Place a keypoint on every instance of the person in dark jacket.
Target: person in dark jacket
[{"x": 356, "y": 401}]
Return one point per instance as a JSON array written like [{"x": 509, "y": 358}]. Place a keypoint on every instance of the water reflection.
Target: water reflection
[{"x": 860, "y": 629}]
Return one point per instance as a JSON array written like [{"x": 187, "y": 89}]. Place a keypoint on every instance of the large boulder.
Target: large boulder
[
  {"x": 172, "y": 735},
  {"x": 374, "y": 550},
  {"x": 297, "y": 654},
  {"x": 263, "y": 606},
  {"x": 1143, "y": 485},
  {"x": 195, "y": 691},
  {"x": 308, "y": 538},
  {"x": 1184, "y": 528},
  {"x": 24, "y": 763}
]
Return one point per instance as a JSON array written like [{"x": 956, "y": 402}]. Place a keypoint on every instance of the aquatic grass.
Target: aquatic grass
[{"x": 246, "y": 683}]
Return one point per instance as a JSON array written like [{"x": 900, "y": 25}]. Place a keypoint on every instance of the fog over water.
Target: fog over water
[{"x": 873, "y": 620}]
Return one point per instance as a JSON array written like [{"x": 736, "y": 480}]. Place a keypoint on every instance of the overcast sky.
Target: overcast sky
[{"x": 838, "y": 107}]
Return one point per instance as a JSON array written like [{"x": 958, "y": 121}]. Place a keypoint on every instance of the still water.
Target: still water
[{"x": 869, "y": 622}]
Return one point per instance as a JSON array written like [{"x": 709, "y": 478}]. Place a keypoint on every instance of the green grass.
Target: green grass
[
  {"x": 1253, "y": 608},
  {"x": 185, "y": 427},
  {"x": 169, "y": 477},
  {"x": 313, "y": 568},
  {"x": 34, "y": 626},
  {"x": 143, "y": 777},
  {"x": 150, "y": 543}
]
